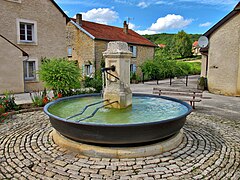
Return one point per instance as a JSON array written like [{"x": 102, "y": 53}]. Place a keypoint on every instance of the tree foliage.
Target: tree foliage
[
  {"x": 165, "y": 38},
  {"x": 60, "y": 75},
  {"x": 159, "y": 69},
  {"x": 182, "y": 44}
]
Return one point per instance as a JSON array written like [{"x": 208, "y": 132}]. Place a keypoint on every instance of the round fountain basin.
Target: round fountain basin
[{"x": 151, "y": 118}]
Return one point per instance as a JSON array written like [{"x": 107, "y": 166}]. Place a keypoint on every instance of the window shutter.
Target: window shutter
[
  {"x": 134, "y": 68},
  {"x": 69, "y": 51},
  {"x": 91, "y": 69},
  {"x": 83, "y": 69},
  {"x": 134, "y": 51}
]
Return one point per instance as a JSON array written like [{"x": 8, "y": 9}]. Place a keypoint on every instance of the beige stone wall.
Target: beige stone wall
[
  {"x": 82, "y": 45},
  {"x": 11, "y": 68},
  {"x": 100, "y": 47},
  {"x": 51, "y": 29},
  {"x": 203, "y": 66},
  {"x": 223, "y": 57},
  {"x": 143, "y": 53}
]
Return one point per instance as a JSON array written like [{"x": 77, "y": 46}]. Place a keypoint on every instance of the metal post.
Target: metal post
[{"x": 186, "y": 80}]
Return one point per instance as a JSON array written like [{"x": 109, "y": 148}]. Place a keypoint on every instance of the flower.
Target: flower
[
  {"x": 45, "y": 100},
  {"x": 59, "y": 95},
  {"x": 5, "y": 114}
]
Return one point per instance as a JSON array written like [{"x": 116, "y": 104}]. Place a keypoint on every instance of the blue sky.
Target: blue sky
[{"x": 152, "y": 16}]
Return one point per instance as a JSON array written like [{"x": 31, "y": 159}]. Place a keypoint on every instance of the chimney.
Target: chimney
[
  {"x": 79, "y": 19},
  {"x": 125, "y": 27}
]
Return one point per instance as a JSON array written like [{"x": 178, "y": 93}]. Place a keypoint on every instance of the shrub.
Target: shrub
[
  {"x": 160, "y": 69},
  {"x": 61, "y": 75},
  {"x": 7, "y": 103},
  {"x": 95, "y": 82},
  {"x": 39, "y": 98}
]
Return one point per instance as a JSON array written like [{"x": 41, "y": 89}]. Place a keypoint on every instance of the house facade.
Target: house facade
[
  {"x": 86, "y": 41},
  {"x": 221, "y": 59},
  {"x": 35, "y": 27}
]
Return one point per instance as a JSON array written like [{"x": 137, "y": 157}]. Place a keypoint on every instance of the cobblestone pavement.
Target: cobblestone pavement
[{"x": 210, "y": 150}]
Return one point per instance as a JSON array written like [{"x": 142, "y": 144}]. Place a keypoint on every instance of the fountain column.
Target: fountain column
[{"x": 117, "y": 86}]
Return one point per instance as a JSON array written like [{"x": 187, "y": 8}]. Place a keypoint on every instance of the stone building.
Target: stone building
[
  {"x": 37, "y": 28},
  {"x": 221, "y": 58},
  {"x": 87, "y": 40}
]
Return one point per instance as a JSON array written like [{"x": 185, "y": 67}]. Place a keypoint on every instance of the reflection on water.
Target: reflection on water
[{"x": 144, "y": 109}]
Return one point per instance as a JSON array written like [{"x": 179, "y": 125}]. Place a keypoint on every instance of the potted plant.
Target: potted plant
[{"x": 201, "y": 83}]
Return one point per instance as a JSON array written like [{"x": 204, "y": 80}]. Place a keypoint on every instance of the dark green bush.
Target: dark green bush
[
  {"x": 60, "y": 75},
  {"x": 161, "y": 69}
]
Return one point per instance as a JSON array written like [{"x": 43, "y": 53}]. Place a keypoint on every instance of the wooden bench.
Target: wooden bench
[{"x": 189, "y": 95}]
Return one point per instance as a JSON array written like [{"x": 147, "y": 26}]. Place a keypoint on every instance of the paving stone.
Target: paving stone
[{"x": 210, "y": 149}]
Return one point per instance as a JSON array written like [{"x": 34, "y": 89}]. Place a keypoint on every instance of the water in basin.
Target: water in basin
[{"x": 143, "y": 110}]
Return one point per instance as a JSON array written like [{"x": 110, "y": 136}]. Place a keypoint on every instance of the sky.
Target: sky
[{"x": 152, "y": 16}]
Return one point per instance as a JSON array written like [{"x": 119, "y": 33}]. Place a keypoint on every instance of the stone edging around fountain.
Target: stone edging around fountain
[{"x": 117, "y": 152}]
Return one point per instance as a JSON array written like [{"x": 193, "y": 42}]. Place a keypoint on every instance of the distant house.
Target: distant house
[
  {"x": 221, "y": 59},
  {"x": 87, "y": 40},
  {"x": 29, "y": 31},
  {"x": 161, "y": 45},
  {"x": 195, "y": 48}
]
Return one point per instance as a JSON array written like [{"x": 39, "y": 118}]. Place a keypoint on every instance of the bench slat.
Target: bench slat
[
  {"x": 177, "y": 93},
  {"x": 178, "y": 90},
  {"x": 191, "y": 95}
]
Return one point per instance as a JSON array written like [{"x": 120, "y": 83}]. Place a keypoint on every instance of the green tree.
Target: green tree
[
  {"x": 182, "y": 44},
  {"x": 60, "y": 75}
]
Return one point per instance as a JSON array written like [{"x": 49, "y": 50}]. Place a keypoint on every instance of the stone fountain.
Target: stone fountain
[
  {"x": 122, "y": 124},
  {"x": 117, "y": 60}
]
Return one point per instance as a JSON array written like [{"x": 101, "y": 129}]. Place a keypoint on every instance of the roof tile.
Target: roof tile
[{"x": 112, "y": 33}]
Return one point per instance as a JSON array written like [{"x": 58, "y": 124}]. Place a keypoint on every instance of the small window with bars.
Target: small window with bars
[{"x": 30, "y": 70}]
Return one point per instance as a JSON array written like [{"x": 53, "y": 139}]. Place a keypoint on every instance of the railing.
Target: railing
[
  {"x": 85, "y": 108},
  {"x": 96, "y": 110}
]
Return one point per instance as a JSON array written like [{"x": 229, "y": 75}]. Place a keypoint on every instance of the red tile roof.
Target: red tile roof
[
  {"x": 112, "y": 33},
  {"x": 162, "y": 45},
  {"x": 195, "y": 44}
]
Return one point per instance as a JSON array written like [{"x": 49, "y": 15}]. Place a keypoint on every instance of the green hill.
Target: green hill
[{"x": 165, "y": 38}]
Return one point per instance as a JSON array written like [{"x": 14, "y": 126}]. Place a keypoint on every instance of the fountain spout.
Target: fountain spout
[
  {"x": 117, "y": 60},
  {"x": 111, "y": 68}
]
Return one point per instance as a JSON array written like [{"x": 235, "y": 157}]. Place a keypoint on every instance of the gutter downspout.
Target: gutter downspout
[{"x": 24, "y": 82}]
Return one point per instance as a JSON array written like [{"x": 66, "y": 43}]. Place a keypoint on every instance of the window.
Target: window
[
  {"x": 29, "y": 70},
  {"x": 87, "y": 70},
  {"x": 133, "y": 68},
  {"x": 69, "y": 51},
  {"x": 26, "y": 31},
  {"x": 133, "y": 49}
]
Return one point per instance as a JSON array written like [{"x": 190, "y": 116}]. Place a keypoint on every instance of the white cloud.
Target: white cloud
[
  {"x": 142, "y": 4},
  {"x": 143, "y": 32},
  {"x": 149, "y": 2},
  {"x": 131, "y": 26},
  {"x": 100, "y": 15},
  {"x": 170, "y": 21},
  {"x": 206, "y": 24}
]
